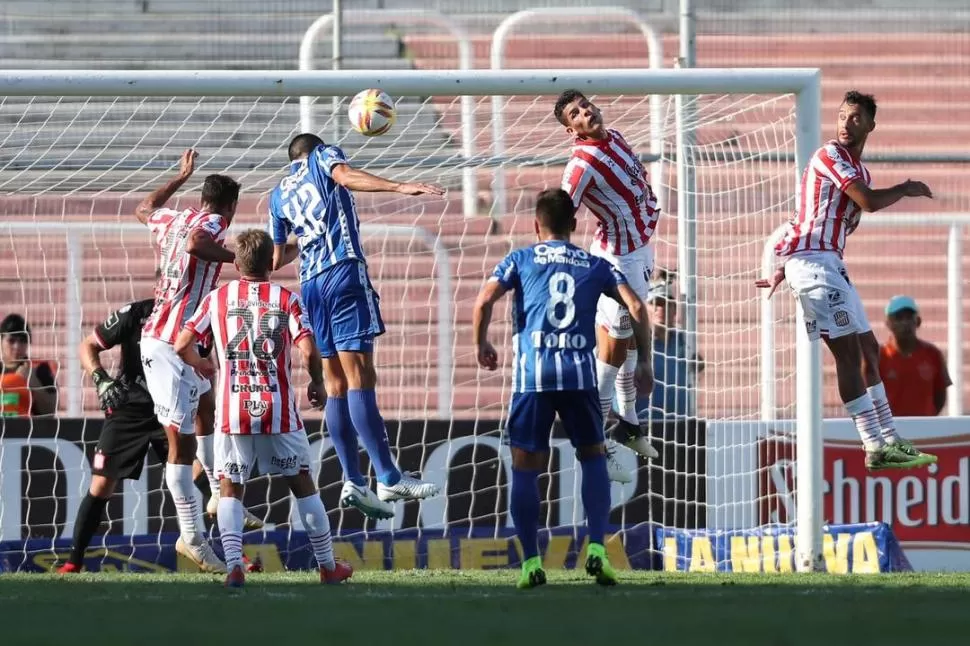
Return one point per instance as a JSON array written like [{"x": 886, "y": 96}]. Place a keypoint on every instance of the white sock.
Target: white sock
[
  {"x": 230, "y": 517},
  {"x": 314, "y": 516},
  {"x": 606, "y": 383},
  {"x": 626, "y": 388},
  {"x": 178, "y": 477},
  {"x": 206, "y": 455},
  {"x": 881, "y": 403},
  {"x": 866, "y": 421}
]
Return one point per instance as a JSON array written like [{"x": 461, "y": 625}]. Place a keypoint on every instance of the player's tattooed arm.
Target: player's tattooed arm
[
  {"x": 359, "y": 180},
  {"x": 641, "y": 332},
  {"x": 481, "y": 318},
  {"x": 876, "y": 199},
  {"x": 157, "y": 198}
]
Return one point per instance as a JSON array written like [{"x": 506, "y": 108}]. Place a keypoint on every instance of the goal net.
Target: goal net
[{"x": 73, "y": 168}]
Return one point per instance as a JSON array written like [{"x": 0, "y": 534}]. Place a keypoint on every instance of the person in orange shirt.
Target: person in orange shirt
[
  {"x": 914, "y": 371},
  {"x": 26, "y": 387}
]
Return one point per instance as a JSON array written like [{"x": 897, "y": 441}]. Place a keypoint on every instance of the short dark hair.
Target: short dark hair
[
  {"x": 14, "y": 325},
  {"x": 220, "y": 191},
  {"x": 555, "y": 211},
  {"x": 254, "y": 252},
  {"x": 866, "y": 101},
  {"x": 567, "y": 97},
  {"x": 303, "y": 144}
]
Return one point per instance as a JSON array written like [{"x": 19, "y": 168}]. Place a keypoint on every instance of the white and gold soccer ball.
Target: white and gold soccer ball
[{"x": 372, "y": 112}]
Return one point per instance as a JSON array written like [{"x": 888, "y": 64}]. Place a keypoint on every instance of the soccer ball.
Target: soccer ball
[{"x": 372, "y": 112}]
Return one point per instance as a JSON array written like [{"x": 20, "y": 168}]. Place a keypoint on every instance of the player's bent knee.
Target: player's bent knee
[
  {"x": 301, "y": 485},
  {"x": 523, "y": 460},
  {"x": 588, "y": 451},
  {"x": 230, "y": 489},
  {"x": 102, "y": 486}
]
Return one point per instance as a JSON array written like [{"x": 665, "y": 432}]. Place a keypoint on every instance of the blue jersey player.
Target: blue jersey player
[
  {"x": 314, "y": 204},
  {"x": 555, "y": 286}
]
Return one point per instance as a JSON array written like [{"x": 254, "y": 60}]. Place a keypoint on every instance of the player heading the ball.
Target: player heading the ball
[
  {"x": 605, "y": 175},
  {"x": 253, "y": 325},
  {"x": 555, "y": 286},
  {"x": 314, "y": 203},
  {"x": 833, "y": 193}
]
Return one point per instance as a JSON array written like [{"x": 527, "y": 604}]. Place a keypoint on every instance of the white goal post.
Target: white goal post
[{"x": 804, "y": 85}]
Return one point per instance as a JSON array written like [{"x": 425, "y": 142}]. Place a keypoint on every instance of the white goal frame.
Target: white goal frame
[{"x": 804, "y": 83}]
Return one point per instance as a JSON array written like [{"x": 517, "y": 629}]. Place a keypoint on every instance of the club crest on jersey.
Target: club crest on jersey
[{"x": 255, "y": 407}]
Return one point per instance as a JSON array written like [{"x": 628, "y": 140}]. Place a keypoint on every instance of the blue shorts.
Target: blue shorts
[
  {"x": 343, "y": 308},
  {"x": 531, "y": 416}
]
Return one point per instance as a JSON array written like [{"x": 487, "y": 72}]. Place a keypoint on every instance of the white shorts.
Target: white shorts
[
  {"x": 286, "y": 454},
  {"x": 830, "y": 303},
  {"x": 637, "y": 267},
  {"x": 174, "y": 386}
]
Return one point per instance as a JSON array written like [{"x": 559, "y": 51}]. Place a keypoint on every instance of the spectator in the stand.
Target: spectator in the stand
[
  {"x": 914, "y": 371},
  {"x": 26, "y": 387},
  {"x": 675, "y": 373}
]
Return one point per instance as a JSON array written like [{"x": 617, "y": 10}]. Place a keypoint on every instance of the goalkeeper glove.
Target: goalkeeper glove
[{"x": 111, "y": 392}]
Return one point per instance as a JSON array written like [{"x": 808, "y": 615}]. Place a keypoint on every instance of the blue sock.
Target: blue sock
[
  {"x": 344, "y": 439},
  {"x": 369, "y": 425},
  {"x": 596, "y": 496},
  {"x": 524, "y": 508}
]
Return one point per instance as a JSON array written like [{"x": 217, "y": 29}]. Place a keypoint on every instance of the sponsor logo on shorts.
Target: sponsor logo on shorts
[
  {"x": 284, "y": 464},
  {"x": 835, "y": 297},
  {"x": 811, "y": 327},
  {"x": 255, "y": 407},
  {"x": 193, "y": 392},
  {"x": 161, "y": 411},
  {"x": 841, "y": 318},
  {"x": 234, "y": 468},
  {"x": 624, "y": 322}
]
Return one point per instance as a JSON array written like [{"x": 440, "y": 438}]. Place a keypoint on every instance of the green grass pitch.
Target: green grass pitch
[{"x": 469, "y": 608}]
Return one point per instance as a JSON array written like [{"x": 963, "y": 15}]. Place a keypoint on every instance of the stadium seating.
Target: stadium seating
[{"x": 913, "y": 120}]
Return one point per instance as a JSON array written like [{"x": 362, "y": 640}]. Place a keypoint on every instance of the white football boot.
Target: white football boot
[
  {"x": 407, "y": 488},
  {"x": 613, "y": 467},
  {"x": 250, "y": 520},
  {"x": 365, "y": 500},
  {"x": 202, "y": 555}
]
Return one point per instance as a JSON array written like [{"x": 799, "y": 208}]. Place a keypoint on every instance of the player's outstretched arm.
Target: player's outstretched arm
[
  {"x": 315, "y": 392},
  {"x": 186, "y": 346},
  {"x": 157, "y": 198},
  {"x": 876, "y": 199},
  {"x": 641, "y": 332},
  {"x": 358, "y": 180},
  {"x": 481, "y": 318}
]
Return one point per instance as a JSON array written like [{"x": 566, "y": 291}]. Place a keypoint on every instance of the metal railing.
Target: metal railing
[
  {"x": 954, "y": 297},
  {"x": 76, "y": 233}
]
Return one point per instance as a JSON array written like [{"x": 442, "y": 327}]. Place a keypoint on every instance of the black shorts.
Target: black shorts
[{"x": 123, "y": 445}]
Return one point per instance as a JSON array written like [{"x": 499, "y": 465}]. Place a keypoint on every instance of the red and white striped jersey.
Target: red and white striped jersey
[
  {"x": 253, "y": 326},
  {"x": 825, "y": 215},
  {"x": 185, "y": 279},
  {"x": 609, "y": 179}
]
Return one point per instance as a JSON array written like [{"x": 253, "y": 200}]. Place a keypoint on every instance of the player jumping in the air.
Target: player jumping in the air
[
  {"x": 833, "y": 193},
  {"x": 605, "y": 174},
  {"x": 315, "y": 204},
  {"x": 253, "y": 325},
  {"x": 191, "y": 250},
  {"x": 555, "y": 287}
]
